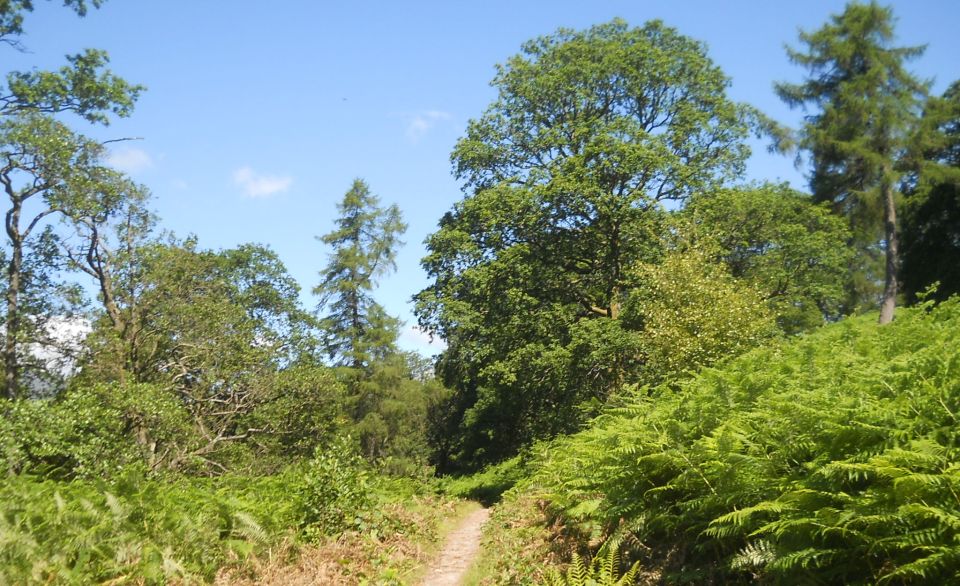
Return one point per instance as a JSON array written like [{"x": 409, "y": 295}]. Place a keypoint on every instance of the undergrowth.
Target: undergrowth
[
  {"x": 388, "y": 557},
  {"x": 232, "y": 529},
  {"x": 134, "y": 529},
  {"x": 488, "y": 485},
  {"x": 833, "y": 458},
  {"x": 522, "y": 542}
]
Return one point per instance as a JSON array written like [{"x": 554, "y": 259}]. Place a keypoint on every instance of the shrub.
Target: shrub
[
  {"x": 93, "y": 431},
  {"x": 334, "y": 492}
]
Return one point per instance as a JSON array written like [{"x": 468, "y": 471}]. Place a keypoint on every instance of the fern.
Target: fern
[
  {"x": 602, "y": 570},
  {"x": 832, "y": 458}
]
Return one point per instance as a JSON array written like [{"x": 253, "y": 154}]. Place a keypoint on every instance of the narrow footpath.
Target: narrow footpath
[{"x": 462, "y": 547}]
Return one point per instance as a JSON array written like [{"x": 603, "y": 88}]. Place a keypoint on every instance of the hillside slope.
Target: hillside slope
[{"x": 831, "y": 458}]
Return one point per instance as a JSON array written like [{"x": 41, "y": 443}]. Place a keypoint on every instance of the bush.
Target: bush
[
  {"x": 93, "y": 431},
  {"x": 334, "y": 493}
]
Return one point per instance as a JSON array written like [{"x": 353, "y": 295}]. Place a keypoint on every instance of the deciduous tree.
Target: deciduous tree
[
  {"x": 41, "y": 159},
  {"x": 778, "y": 241},
  {"x": 46, "y": 171},
  {"x": 565, "y": 176}
]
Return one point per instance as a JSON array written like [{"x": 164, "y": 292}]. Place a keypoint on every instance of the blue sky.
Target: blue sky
[{"x": 259, "y": 115}]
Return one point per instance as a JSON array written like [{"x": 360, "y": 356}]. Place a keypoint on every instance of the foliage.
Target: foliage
[
  {"x": 224, "y": 333},
  {"x": 522, "y": 542},
  {"x": 93, "y": 432},
  {"x": 566, "y": 173},
  {"x": 931, "y": 242},
  {"x": 298, "y": 408},
  {"x": 84, "y": 86},
  {"x": 13, "y": 12},
  {"x": 416, "y": 526},
  {"x": 335, "y": 490},
  {"x": 132, "y": 529},
  {"x": 868, "y": 103},
  {"x": 791, "y": 250},
  {"x": 56, "y": 172},
  {"x": 693, "y": 313},
  {"x": 135, "y": 530},
  {"x": 488, "y": 485},
  {"x": 602, "y": 570},
  {"x": 827, "y": 459},
  {"x": 386, "y": 402},
  {"x": 48, "y": 171},
  {"x": 358, "y": 330},
  {"x": 396, "y": 404}
]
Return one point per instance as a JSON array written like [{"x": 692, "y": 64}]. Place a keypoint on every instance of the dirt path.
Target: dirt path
[{"x": 463, "y": 545}]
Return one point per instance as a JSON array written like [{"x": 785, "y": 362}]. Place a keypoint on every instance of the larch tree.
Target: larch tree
[
  {"x": 364, "y": 247},
  {"x": 865, "y": 104}
]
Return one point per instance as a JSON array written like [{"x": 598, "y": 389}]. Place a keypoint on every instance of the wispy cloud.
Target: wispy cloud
[
  {"x": 256, "y": 185},
  {"x": 423, "y": 122},
  {"x": 414, "y": 336},
  {"x": 130, "y": 160}
]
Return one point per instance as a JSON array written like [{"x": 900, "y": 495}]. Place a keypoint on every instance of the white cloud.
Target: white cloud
[
  {"x": 130, "y": 160},
  {"x": 257, "y": 185},
  {"x": 60, "y": 343},
  {"x": 423, "y": 122},
  {"x": 414, "y": 336}
]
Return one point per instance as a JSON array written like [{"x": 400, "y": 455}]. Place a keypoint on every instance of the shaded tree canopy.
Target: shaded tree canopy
[{"x": 931, "y": 222}]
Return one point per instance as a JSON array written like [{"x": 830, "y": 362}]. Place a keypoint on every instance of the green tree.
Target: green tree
[
  {"x": 358, "y": 330},
  {"x": 106, "y": 244},
  {"x": 43, "y": 161},
  {"x": 867, "y": 104},
  {"x": 931, "y": 226},
  {"x": 47, "y": 171},
  {"x": 388, "y": 395},
  {"x": 224, "y": 333},
  {"x": 779, "y": 242},
  {"x": 565, "y": 176},
  {"x": 83, "y": 87}
]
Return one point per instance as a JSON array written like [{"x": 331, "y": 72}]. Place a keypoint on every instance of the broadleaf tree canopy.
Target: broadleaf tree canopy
[{"x": 566, "y": 176}]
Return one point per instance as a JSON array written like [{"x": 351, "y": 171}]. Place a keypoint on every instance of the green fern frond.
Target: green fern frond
[
  {"x": 740, "y": 517},
  {"x": 754, "y": 555},
  {"x": 806, "y": 558}
]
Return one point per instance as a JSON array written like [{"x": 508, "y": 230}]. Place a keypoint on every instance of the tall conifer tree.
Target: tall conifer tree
[
  {"x": 358, "y": 329},
  {"x": 867, "y": 103}
]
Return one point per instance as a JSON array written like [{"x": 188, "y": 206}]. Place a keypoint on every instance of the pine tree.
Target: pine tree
[{"x": 867, "y": 104}]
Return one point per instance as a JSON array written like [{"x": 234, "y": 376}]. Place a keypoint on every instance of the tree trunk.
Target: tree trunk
[
  {"x": 11, "y": 365},
  {"x": 888, "y": 304}
]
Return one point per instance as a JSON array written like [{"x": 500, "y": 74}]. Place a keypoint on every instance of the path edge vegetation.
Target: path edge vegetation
[{"x": 649, "y": 361}]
